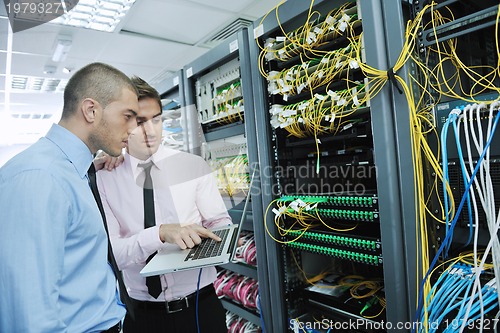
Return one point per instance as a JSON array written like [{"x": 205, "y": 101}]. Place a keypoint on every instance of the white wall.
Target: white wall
[{"x": 9, "y": 151}]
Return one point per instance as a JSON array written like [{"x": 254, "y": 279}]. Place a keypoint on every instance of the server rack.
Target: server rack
[
  {"x": 470, "y": 32},
  {"x": 227, "y": 126},
  {"x": 390, "y": 145},
  {"x": 392, "y": 130}
]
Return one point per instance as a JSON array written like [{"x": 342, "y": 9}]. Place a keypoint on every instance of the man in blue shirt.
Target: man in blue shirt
[{"x": 54, "y": 274}]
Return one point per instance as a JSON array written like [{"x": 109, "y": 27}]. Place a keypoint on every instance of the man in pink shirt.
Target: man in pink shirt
[{"x": 185, "y": 198}]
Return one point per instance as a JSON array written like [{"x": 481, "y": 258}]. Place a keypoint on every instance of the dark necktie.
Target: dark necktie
[
  {"x": 152, "y": 282},
  {"x": 111, "y": 258}
]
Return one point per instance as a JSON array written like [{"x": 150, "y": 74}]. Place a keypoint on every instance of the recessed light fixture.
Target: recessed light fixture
[
  {"x": 101, "y": 15},
  {"x": 61, "y": 50}
]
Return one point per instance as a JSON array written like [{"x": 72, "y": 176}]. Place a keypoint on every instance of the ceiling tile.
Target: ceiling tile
[
  {"x": 259, "y": 8},
  {"x": 4, "y": 30},
  {"x": 227, "y": 5},
  {"x": 190, "y": 23}
]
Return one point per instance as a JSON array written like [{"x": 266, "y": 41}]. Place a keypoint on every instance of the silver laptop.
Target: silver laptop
[{"x": 207, "y": 253}]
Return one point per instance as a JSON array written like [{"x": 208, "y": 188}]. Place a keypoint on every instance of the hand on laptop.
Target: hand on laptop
[{"x": 186, "y": 236}]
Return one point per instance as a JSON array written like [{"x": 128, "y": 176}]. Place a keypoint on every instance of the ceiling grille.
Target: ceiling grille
[
  {"x": 37, "y": 84},
  {"x": 227, "y": 31}
]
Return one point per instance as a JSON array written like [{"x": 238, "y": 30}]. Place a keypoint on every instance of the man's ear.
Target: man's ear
[{"x": 88, "y": 109}]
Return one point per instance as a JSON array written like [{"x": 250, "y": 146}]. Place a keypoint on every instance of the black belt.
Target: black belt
[
  {"x": 174, "y": 305},
  {"x": 114, "y": 329}
]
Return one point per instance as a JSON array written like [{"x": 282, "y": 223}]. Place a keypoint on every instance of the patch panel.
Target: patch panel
[
  {"x": 213, "y": 88},
  {"x": 338, "y": 253},
  {"x": 353, "y": 215},
  {"x": 350, "y": 201},
  {"x": 353, "y": 242}
]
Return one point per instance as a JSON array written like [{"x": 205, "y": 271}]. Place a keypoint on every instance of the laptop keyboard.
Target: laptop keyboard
[{"x": 208, "y": 247}]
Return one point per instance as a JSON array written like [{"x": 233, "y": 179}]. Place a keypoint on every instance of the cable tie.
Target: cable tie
[
  {"x": 391, "y": 75},
  {"x": 301, "y": 203},
  {"x": 342, "y": 26},
  {"x": 294, "y": 205},
  {"x": 353, "y": 64},
  {"x": 318, "y": 31}
]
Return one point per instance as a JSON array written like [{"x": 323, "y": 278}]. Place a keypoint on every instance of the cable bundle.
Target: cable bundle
[
  {"x": 231, "y": 173},
  {"x": 470, "y": 116},
  {"x": 311, "y": 35},
  {"x": 236, "y": 324},
  {"x": 321, "y": 114},
  {"x": 447, "y": 302},
  {"x": 247, "y": 252},
  {"x": 313, "y": 73},
  {"x": 228, "y": 103},
  {"x": 305, "y": 215},
  {"x": 239, "y": 288}
]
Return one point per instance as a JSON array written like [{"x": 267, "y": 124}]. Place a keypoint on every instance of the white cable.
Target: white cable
[
  {"x": 477, "y": 281},
  {"x": 479, "y": 189},
  {"x": 493, "y": 243},
  {"x": 476, "y": 183},
  {"x": 493, "y": 234}
]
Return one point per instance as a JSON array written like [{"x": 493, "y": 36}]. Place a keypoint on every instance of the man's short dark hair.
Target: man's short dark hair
[
  {"x": 145, "y": 90},
  {"x": 98, "y": 81}
]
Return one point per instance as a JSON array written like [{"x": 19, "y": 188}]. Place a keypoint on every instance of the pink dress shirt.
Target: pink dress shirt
[{"x": 185, "y": 191}]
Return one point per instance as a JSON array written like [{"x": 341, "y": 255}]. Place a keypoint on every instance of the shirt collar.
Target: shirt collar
[
  {"x": 73, "y": 147},
  {"x": 155, "y": 158}
]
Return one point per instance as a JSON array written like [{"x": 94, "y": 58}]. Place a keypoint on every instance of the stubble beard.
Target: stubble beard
[{"x": 101, "y": 139}]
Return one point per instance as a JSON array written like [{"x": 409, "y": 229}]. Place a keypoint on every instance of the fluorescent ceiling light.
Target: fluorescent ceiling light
[
  {"x": 102, "y": 15},
  {"x": 61, "y": 50}
]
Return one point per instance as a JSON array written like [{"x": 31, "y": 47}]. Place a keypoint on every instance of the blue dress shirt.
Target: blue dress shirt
[{"x": 54, "y": 274}]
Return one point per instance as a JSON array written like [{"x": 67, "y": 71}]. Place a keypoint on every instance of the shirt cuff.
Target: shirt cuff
[{"x": 151, "y": 238}]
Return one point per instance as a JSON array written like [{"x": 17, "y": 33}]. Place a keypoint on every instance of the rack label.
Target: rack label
[
  {"x": 233, "y": 46},
  {"x": 258, "y": 31}
]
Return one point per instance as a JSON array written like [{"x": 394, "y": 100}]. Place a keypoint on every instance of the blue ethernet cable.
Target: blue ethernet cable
[
  {"x": 465, "y": 298},
  {"x": 448, "y": 285},
  {"x": 453, "y": 292},
  {"x": 459, "y": 317},
  {"x": 464, "y": 175},
  {"x": 444, "y": 157},
  {"x": 448, "y": 310},
  {"x": 453, "y": 223},
  {"x": 451, "y": 305},
  {"x": 488, "y": 297}
]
